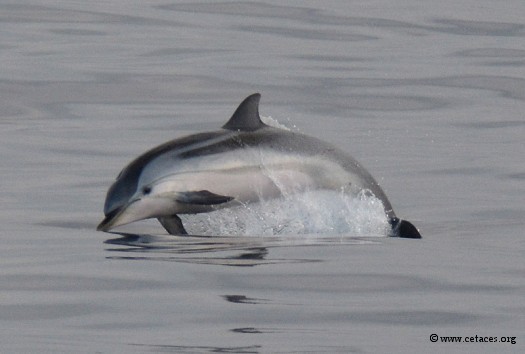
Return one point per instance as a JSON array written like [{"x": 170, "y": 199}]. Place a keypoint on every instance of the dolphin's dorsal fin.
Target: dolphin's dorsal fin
[{"x": 246, "y": 116}]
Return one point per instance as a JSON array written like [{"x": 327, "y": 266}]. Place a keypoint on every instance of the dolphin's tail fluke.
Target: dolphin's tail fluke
[{"x": 404, "y": 229}]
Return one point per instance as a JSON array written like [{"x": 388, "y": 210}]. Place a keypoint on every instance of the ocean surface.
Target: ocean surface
[{"x": 428, "y": 95}]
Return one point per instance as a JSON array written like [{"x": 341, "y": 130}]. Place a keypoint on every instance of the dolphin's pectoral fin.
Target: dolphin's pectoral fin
[
  {"x": 172, "y": 224},
  {"x": 202, "y": 198},
  {"x": 404, "y": 229}
]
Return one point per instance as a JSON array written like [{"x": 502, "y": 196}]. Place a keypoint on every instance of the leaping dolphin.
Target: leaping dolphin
[{"x": 243, "y": 162}]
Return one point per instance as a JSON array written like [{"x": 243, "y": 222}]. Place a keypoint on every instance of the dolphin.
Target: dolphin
[{"x": 244, "y": 162}]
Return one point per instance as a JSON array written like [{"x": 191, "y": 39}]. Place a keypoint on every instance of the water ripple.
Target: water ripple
[{"x": 228, "y": 251}]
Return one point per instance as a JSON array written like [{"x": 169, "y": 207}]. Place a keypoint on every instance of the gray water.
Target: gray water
[{"x": 428, "y": 95}]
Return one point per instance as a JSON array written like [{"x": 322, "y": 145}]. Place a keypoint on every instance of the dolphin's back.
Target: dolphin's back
[
  {"x": 178, "y": 156},
  {"x": 248, "y": 148}
]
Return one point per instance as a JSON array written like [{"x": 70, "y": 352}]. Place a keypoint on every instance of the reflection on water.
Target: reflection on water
[
  {"x": 219, "y": 250},
  {"x": 253, "y": 349},
  {"x": 243, "y": 299}
]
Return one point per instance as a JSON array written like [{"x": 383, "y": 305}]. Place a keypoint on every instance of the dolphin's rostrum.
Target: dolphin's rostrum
[{"x": 243, "y": 162}]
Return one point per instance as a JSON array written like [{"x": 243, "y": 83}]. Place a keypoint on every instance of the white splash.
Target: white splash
[
  {"x": 320, "y": 213},
  {"x": 276, "y": 124}
]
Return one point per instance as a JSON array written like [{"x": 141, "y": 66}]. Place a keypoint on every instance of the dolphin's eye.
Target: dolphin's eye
[{"x": 146, "y": 190}]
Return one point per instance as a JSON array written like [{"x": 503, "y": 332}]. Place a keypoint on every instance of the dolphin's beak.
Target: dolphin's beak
[
  {"x": 109, "y": 221},
  {"x": 119, "y": 216}
]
